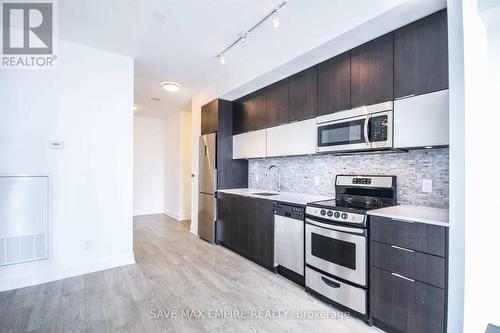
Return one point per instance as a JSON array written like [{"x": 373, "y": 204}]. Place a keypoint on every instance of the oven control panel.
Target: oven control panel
[{"x": 336, "y": 215}]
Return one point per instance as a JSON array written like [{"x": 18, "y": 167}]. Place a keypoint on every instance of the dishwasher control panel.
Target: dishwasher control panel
[{"x": 293, "y": 212}]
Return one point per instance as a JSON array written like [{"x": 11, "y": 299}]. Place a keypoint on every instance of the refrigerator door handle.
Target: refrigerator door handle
[{"x": 215, "y": 180}]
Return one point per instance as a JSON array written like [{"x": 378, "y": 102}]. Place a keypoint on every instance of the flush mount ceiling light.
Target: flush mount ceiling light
[
  {"x": 171, "y": 86},
  {"x": 243, "y": 39}
]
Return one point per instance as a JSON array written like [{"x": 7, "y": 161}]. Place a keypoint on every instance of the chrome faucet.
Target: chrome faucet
[{"x": 279, "y": 175}]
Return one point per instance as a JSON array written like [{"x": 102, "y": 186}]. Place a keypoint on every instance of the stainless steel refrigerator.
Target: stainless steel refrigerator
[{"x": 207, "y": 187}]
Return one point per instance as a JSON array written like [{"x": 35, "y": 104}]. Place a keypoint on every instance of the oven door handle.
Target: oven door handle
[
  {"x": 330, "y": 283},
  {"x": 335, "y": 227}
]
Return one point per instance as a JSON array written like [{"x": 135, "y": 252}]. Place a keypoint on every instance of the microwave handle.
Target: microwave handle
[{"x": 367, "y": 123}]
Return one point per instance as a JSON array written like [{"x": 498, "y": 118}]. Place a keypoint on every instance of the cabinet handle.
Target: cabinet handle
[
  {"x": 406, "y": 96},
  {"x": 402, "y": 277},
  {"x": 330, "y": 283},
  {"x": 402, "y": 248},
  {"x": 405, "y": 221}
]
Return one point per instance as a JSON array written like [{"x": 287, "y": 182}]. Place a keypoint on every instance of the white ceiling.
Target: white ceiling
[{"x": 182, "y": 45}]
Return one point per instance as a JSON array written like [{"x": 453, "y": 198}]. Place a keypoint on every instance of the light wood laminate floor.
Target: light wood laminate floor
[{"x": 206, "y": 288}]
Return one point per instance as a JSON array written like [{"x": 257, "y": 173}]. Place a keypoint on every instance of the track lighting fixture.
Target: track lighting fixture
[{"x": 273, "y": 14}]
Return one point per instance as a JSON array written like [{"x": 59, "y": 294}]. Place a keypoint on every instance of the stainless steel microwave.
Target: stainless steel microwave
[{"x": 360, "y": 129}]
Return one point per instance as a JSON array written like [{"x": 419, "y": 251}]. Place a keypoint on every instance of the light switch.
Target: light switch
[
  {"x": 257, "y": 178},
  {"x": 316, "y": 180},
  {"x": 427, "y": 185}
]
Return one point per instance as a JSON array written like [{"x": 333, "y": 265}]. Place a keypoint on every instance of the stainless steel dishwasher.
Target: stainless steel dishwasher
[{"x": 289, "y": 241}]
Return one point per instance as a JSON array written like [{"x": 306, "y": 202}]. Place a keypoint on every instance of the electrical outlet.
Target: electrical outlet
[
  {"x": 316, "y": 180},
  {"x": 427, "y": 185},
  {"x": 257, "y": 178},
  {"x": 88, "y": 245}
]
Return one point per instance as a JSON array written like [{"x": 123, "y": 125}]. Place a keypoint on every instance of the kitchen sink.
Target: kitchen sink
[{"x": 266, "y": 194}]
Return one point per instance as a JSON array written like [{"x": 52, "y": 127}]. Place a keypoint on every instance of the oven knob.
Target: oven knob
[
  {"x": 337, "y": 214},
  {"x": 344, "y": 215},
  {"x": 323, "y": 212},
  {"x": 330, "y": 213}
]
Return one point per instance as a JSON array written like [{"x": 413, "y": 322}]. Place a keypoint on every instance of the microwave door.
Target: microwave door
[{"x": 344, "y": 135}]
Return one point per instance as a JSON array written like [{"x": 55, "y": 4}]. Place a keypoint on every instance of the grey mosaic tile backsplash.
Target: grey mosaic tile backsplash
[{"x": 298, "y": 173}]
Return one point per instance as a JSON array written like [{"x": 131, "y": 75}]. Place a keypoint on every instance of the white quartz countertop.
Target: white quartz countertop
[
  {"x": 293, "y": 198},
  {"x": 409, "y": 213}
]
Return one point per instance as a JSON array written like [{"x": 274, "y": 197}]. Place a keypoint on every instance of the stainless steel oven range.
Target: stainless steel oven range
[{"x": 336, "y": 240}]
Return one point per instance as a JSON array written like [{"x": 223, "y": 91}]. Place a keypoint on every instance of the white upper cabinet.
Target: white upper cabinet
[
  {"x": 298, "y": 138},
  {"x": 421, "y": 121},
  {"x": 249, "y": 145}
]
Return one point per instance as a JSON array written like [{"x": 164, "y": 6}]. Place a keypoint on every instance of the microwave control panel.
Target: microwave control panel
[{"x": 378, "y": 128}]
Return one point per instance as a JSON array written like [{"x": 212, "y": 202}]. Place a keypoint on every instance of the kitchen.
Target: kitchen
[{"x": 337, "y": 178}]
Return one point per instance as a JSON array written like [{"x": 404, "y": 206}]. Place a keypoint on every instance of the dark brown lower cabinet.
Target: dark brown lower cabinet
[
  {"x": 401, "y": 305},
  {"x": 246, "y": 226},
  {"x": 408, "y": 274},
  {"x": 224, "y": 218}
]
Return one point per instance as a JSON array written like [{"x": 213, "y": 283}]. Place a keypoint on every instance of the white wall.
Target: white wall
[
  {"x": 149, "y": 165},
  {"x": 457, "y": 168},
  {"x": 178, "y": 164},
  {"x": 86, "y": 102},
  {"x": 481, "y": 29}
]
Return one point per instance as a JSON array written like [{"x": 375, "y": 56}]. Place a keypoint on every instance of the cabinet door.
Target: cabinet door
[
  {"x": 372, "y": 72},
  {"x": 209, "y": 117},
  {"x": 277, "y": 103},
  {"x": 404, "y": 305},
  {"x": 250, "y": 112},
  {"x": 249, "y": 145},
  {"x": 421, "y": 56},
  {"x": 262, "y": 232},
  {"x": 298, "y": 138},
  {"x": 224, "y": 218},
  {"x": 239, "y": 223},
  {"x": 258, "y": 110},
  {"x": 334, "y": 84},
  {"x": 303, "y": 95},
  {"x": 241, "y": 116}
]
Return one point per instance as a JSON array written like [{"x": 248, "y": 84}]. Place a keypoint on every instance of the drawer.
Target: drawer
[
  {"x": 415, "y": 265},
  {"x": 420, "y": 237},
  {"x": 340, "y": 292},
  {"x": 399, "y": 304}
]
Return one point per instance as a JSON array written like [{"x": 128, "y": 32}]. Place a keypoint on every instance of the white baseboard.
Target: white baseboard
[
  {"x": 26, "y": 280},
  {"x": 173, "y": 215}
]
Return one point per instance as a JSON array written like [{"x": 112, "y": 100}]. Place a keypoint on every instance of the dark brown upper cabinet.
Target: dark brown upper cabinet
[
  {"x": 334, "y": 84},
  {"x": 210, "y": 117},
  {"x": 421, "y": 56},
  {"x": 372, "y": 73},
  {"x": 277, "y": 103},
  {"x": 250, "y": 112},
  {"x": 303, "y": 95}
]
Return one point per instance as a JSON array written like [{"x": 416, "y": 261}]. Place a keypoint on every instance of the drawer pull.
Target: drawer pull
[
  {"x": 330, "y": 283},
  {"x": 401, "y": 220},
  {"x": 402, "y": 248},
  {"x": 402, "y": 277}
]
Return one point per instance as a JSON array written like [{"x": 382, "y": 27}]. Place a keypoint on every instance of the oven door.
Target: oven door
[
  {"x": 344, "y": 134},
  {"x": 337, "y": 250}
]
